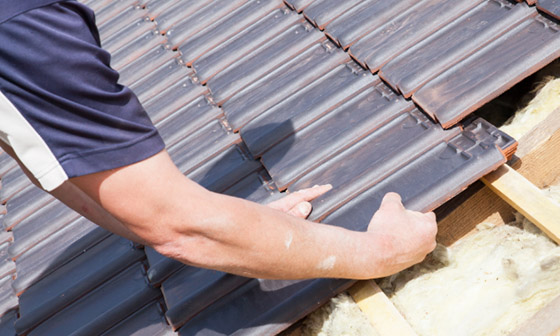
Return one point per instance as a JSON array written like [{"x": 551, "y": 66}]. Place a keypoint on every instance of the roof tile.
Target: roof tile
[
  {"x": 102, "y": 308},
  {"x": 331, "y": 134},
  {"x": 51, "y": 253},
  {"x": 74, "y": 279},
  {"x": 298, "y": 74},
  {"x": 244, "y": 43},
  {"x": 262, "y": 61},
  {"x": 308, "y": 104},
  {"x": 448, "y": 46},
  {"x": 486, "y": 74},
  {"x": 225, "y": 28},
  {"x": 419, "y": 21}
]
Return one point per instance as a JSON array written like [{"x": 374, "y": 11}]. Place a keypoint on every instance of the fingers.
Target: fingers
[
  {"x": 301, "y": 210},
  {"x": 305, "y": 195},
  {"x": 431, "y": 215},
  {"x": 312, "y": 193},
  {"x": 392, "y": 201}
]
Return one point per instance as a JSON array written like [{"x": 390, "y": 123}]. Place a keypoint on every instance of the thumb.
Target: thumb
[
  {"x": 391, "y": 200},
  {"x": 301, "y": 210}
]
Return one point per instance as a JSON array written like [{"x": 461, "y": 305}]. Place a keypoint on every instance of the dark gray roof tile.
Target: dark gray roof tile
[
  {"x": 113, "y": 9},
  {"x": 102, "y": 308},
  {"x": 486, "y": 74},
  {"x": 148, "y": 321},
  {"x": 34, "y": 228},
  {"x": 476, "y": 28},
  {"x": 24, "y": 204},
  {"x": 161, "y": 267},
  {"x": 133, "y": 15},
  {"x": 550, "y": 7},
  {"x": 385, "y": 151},
  {"x": 126, "y": 36},
  {"x": 129, "y": 52},
  {"x": 187, "y": 120},
  {"x": 256, "y": 187},
  {"x": 74, "y": 279},
  {"x": 299, "y": 5},
  {"x": 13, "y": 182},
  {"x": 336, "y": 131},
  {"x": 306, "y": 105},
  {"x": 187, "y": 27},
  {"x": 7, "y": 266},
  {"x": 436, "y": 176},
  {"x": 419, "y": 21},
  {"x": 264, "y": 60},
  {"x": 7, "y": 324},
  {"x": 8, "y": 299},
  {"x": 364, "y": 18},
  {"x": 322, "y": 12},
  {"x": 145, "y": 64},
  {"x": 6, "y": 163},
  {"x": 181, "y": 10},
  {"x": 202, "y": 145},
  {"x": 173, "y": 99},
  {"x": 191, "y": 290},
  {"x": 58, "y": 249},
  {"x": 263, "y": 307},
  {"x": 244, "y": 43},
  {"x": 298, "y": 74},
  {"x": 225, "y": 169},
  {"x": 159, "y": 79},
  {"x": 221, "y": 30}
]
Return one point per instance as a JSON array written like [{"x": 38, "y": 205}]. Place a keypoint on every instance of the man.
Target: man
[{"x": 87, "y": 141}]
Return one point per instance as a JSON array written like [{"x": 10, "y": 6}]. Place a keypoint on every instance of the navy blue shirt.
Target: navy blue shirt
[
  {"x": 11, "y": 8},
  {"x": 61, "y": 107}
]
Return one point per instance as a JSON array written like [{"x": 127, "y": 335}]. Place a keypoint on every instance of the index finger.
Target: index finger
[{"x": 309, "y": 194}]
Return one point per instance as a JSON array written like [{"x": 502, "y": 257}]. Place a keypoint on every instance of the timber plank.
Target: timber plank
[
  {"x": 379, "y": 310},
  {"x": 526, "y": 198},
  {"x": 542, "y": 165},
  {"x": 545, "y": 322}
]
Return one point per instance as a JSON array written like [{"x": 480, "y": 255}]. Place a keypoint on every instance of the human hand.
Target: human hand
[
  {"x": 403, "y": 237},
  {"x": 297, "y": 203}
]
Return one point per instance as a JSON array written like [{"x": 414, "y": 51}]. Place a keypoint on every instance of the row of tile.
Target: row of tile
[
  {"x": 272, "y": 65},
  {"x": 207, "y": 164},
  {"x": 426, "y": 49},
  {"x": 54, "y": 252},
  {"x": 8, "y": 300},
  {"x": 255, "y": 83},
  {"x": 197, "y": 298}
]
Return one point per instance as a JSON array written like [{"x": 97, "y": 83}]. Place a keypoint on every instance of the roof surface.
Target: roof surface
[{"x": 256, "y": 97}]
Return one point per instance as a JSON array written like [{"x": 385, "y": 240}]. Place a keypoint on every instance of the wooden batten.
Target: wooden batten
[
  {"x": 379, "y": 310},
  {"x": 526, "y": 198}
]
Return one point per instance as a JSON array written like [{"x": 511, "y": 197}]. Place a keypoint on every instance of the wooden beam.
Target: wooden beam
[
  {"x": 539, "y": 134},
  {"x": 526, "y": 198},
  {"x": 542, "y": 165},
  {"x": 544, "y": 323},
  {"x": 380, "y": 311}
]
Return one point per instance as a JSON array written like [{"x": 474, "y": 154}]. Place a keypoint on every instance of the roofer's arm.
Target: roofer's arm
[{"x": 182, "y": 220}]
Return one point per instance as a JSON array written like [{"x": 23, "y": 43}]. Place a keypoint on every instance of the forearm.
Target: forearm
[
  {"x": 253, "y": 240},
  {"x": 182, "y": 220}
]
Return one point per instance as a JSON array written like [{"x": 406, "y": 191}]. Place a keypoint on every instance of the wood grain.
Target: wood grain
[
  {"x": 526, "y": 198},
  {"x": 379, "y": 310}
]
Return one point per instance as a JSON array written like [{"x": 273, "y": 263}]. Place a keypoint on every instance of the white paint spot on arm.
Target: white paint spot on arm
[
  {"x": 289, "y": 239},
  {"x": 327, "y": 264}
]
